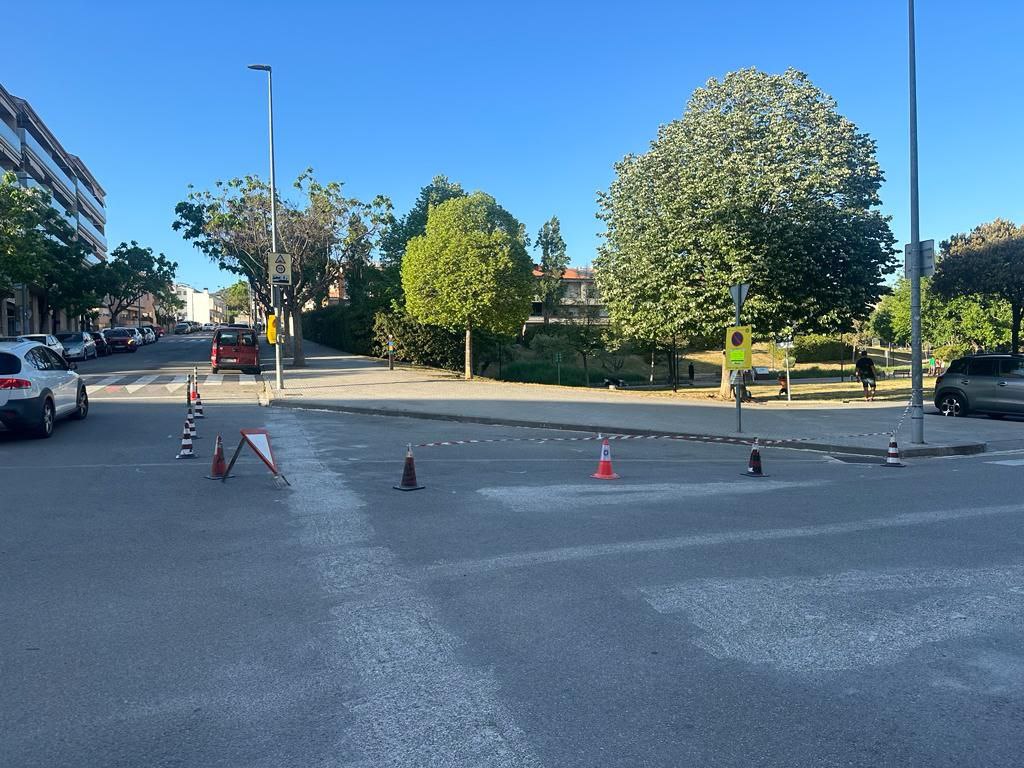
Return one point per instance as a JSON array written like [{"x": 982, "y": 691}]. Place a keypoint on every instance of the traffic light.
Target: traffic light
[{"x": 272, "y": 329}]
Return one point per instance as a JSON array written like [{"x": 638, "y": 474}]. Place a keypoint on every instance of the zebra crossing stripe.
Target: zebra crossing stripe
[
  {"x": 247, "y": 381},
  {"x": 177, "y": 383},
  {"x": 106, "y": 381},
  {"x": 214, "y": 380},
  {"x": 141, "y": 382}
]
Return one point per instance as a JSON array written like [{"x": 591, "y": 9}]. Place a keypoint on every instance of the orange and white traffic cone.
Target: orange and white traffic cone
[
  {"x": 217, "y": 466},
  {"x": 409, "y": 474},
  {"x": 754, "y": 468},
  {"x": 199, "y": 406},
  {"x": 194, "y": 394},
  {"x": 604, "y": 466},
  {"x": 892, "y": 456},
  {"x": 191, "y": 422},
  {"x": 186, "y": 452}
]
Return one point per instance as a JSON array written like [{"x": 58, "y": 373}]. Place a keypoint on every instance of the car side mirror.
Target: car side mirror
[{"x": 72, "y": 366}]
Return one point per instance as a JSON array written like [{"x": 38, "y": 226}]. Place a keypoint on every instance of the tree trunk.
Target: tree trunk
[
  {"x": 469, "y": 352},
  {"x": 724, "y": 390},
  {"x": 586, "y": 370},
  {"x": 651, "y": 377},
  {"x": 674, "y": 369},
  {"x": 299, "y": 357},
  {"x": 1015, "y": 328}
]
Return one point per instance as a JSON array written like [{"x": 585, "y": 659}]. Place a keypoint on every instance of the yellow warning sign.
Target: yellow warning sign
[{"x": 737, "y": 348}]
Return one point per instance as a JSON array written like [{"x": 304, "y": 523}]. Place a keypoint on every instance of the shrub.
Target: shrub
[
  {"x": 418, "y": 343},
  {"x": 546, "y": 372},
  {"x": 341, "y": 327},
  {"x": 820, "y": 349}
]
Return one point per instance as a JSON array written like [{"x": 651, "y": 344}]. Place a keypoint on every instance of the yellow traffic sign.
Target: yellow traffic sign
[{"x": 737, "y": 348}]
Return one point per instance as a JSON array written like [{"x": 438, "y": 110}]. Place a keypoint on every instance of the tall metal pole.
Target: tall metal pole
[
  {"x": 916, "y": 374},
  {"x": 275, "y": 293},
  {"x": 739, "y": 383}
]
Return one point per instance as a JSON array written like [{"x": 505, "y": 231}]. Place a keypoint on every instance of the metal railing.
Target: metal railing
[
  {"x": 59, "y": 174},
  {"x": 92, "y": 231},
  {"x": 94, "y": 205}
]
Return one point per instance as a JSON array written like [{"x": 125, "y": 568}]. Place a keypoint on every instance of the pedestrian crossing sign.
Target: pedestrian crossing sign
[{"x": 737, "y": 348}]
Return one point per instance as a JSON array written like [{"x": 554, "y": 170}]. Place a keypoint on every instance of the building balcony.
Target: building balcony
[
  {"x": 92, "y": 204},
  {"x": 92, "y": 234},
  {"x": 57, "y": 174},
  {"x": 10, "y": 143},
  {"x": 69, "y": 216}
]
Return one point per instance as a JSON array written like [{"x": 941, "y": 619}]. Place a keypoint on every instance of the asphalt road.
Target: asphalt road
[{"x": 514, "y": 613}]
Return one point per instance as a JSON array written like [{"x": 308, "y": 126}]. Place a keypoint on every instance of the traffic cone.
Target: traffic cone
[
  {"x": 199, "y": 407},
  {"x": 191, "y": 421},
  {"x": 892, "y": 456},
  {"x": 186, "y": 452},
  {"x": 604, "y": 466},
  {"x": 409, "y": 474},
  {"x": 217, "y": 466},
  {"x": 194, "y": 389},
  {"x": 754, "y": 462}
]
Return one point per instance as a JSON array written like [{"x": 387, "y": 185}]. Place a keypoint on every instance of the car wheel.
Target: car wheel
[
  {"x": 44, "y": 427},
  {"x": 82, "y": 406},
  {"x": 213, "y": 369},
  {"x": 952, "y": 404}
]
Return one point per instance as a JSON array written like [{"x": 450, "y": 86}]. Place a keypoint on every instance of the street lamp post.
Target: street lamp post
[
  {"x": 917, "y": 378},
  {"x": 275, "y": 292}
]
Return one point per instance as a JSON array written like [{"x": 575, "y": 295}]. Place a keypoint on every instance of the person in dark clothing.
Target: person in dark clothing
[
  {"x": 689, "y": 372},
  {"x": 867, "y": 375}
]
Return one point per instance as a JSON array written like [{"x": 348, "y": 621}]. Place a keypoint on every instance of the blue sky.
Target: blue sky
[{"x": 532, "y": 102}]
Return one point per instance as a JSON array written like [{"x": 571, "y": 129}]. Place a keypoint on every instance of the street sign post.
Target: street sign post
[
  {"x": 280, "y": 268},
  {"x": 738, "y": 353},
  {"x": 927, "y": 258}
]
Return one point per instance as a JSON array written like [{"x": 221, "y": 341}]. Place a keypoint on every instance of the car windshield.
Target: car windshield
[
  {"x": 9, "y": 364},
  {"x": 69, "y": 337}
]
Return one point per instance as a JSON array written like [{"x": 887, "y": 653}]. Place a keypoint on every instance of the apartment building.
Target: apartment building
[
  {"x": 200, "y": 306},
  {"x": 579, "y": 297},
  {"x": 33, "y": 153}
]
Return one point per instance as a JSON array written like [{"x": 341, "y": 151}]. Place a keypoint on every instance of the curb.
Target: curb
[{"x": 963, "y": 449}]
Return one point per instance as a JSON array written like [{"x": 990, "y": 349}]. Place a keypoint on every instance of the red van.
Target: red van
[{"x": 235, "y": 348}]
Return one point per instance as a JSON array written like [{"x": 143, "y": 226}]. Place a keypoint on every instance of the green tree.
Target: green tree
[
  {"x": 987, "y": 263},
  {"x": 236, "y": 297},
  {"x": 586, "y": 333},
  {"x": 553, "y": 262},
  {"x": 129, "y": 273},
  {"x": 323, "y": 231},
  {"x": 24, "y": 247},
  {"x": 761, "y": 181},
  {"x": 469, "y": 270},
  {"x": 414, "y": 223}
]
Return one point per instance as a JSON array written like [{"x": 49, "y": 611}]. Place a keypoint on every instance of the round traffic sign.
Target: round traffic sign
[{"x": 737, "y": 338}]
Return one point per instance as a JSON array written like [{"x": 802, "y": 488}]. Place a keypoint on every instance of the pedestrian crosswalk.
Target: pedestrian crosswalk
[{"x": 160, "y": 383}]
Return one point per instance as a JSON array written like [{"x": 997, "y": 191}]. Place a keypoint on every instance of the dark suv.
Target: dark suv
[{"x": 987, "y": 383}]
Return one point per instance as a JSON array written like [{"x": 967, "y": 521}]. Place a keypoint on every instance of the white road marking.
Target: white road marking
[
  {"x": 177, "y": 383},
  {"x": 402, "y": 665},
  {"x": 141, "y": 382},
  {"x": 106, "y": 381},
  {"x": 1008, "y": 462},
  {"x": 836, "y": 622},
  {"x": 560, "y": 497},
  {"x": 695, "y": 541},
  {"x": 247, "y": 381},
  {"x": 214, "y": 380}
]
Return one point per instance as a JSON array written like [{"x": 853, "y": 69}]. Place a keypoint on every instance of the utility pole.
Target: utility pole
[
  {"x": 916, "y": 374},
  {"x": 275, "y": 291}
]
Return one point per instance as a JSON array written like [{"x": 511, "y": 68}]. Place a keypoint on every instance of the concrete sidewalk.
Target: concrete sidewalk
[{"x": 336, "y": 380}]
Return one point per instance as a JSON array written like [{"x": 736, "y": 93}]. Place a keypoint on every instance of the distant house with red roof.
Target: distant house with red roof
[{"x": 580, "y": 296}]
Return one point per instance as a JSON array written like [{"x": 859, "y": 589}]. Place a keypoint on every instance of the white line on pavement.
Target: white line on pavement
[
  {"x": 247, "y": 381},
  {"x": 575, "y": 554},
  {"x": 141, "y": 382},
  {"x": 106, "y": 381},
  {"x": 214, "y": 380},
  {"x": 177, "y": 383},
  {"x": 1008, "y": 462}
]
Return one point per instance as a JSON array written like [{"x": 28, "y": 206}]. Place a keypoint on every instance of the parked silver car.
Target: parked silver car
[
  {"x": 988, "y": 383},
  {"x": 78, "y": 345},
  {"x": 47, "y": 340}
]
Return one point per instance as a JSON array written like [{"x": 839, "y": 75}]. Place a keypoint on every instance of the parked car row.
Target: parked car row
[
  {"x": 88, "y": 345},
  {"x": 189, "y": 326}
]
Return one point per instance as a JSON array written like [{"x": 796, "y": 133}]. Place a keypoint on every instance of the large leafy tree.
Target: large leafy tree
[
  {"x": 322, "y": 229},
  {"x": 470, "y": 269},
  {"x": 236, "y": 297},
  {"x": 761, "y": 181},
  {"x": 986, "y": 263},
  {"x": 129, "y": 273},
  {"x": 553, "y": 262},
  {"x": 414, "y": 223},
  {"x": 38, "y": 246}
]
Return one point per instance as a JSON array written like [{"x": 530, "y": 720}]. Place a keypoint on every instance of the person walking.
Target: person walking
[
  {"x": 689, "y": 372},
  {"x": 867, "y": 375}
]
